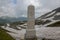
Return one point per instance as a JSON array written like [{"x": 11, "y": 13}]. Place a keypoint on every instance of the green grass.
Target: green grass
[{"x": 4, "y": 35}]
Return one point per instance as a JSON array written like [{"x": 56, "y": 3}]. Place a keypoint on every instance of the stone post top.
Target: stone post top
[{"x": 31, "y": 5}]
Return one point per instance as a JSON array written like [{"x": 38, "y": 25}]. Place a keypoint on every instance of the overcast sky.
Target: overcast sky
[{"x": 18, "y": 8}]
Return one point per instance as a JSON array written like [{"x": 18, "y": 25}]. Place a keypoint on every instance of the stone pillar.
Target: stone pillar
[{"x": 30, "y": 30}]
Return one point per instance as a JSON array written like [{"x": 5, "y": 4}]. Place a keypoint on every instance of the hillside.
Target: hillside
[
  {"x": 50, "y": 18},
  {"x": 4, "y": 35},
  {"x": 57, "y": 24}
]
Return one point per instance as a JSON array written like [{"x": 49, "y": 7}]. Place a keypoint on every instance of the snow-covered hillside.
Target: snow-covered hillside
[{"x": 52, "y": 17}]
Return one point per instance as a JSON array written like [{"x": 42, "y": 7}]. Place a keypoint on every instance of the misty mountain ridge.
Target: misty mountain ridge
[
  {"x": 6, "y": 19},
  {"x": 53, "y": 13}
]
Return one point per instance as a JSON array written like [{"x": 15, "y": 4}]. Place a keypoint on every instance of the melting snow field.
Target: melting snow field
[
  {"x": 48, "y": 32},
  {"x": 41, "y": 32}
]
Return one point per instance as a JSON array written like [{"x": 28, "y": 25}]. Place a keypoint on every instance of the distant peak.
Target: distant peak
[{"x": 57, "y": 9}]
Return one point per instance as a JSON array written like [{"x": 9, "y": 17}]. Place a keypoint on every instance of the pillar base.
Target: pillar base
[
  {"x": 30, "y": 38},
  {"x": 30, "y": 35}
]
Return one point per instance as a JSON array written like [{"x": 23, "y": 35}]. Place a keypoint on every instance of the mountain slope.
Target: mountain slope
[
  {"x": 51, "y": 16},
  {"x": 56, "y": 24}
]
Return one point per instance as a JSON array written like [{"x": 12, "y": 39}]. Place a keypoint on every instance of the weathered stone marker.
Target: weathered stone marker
[{"x": 30, "y": 30}]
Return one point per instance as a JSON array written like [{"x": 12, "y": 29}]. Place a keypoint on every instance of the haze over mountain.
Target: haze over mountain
[{"x": 6, "y": 19}]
